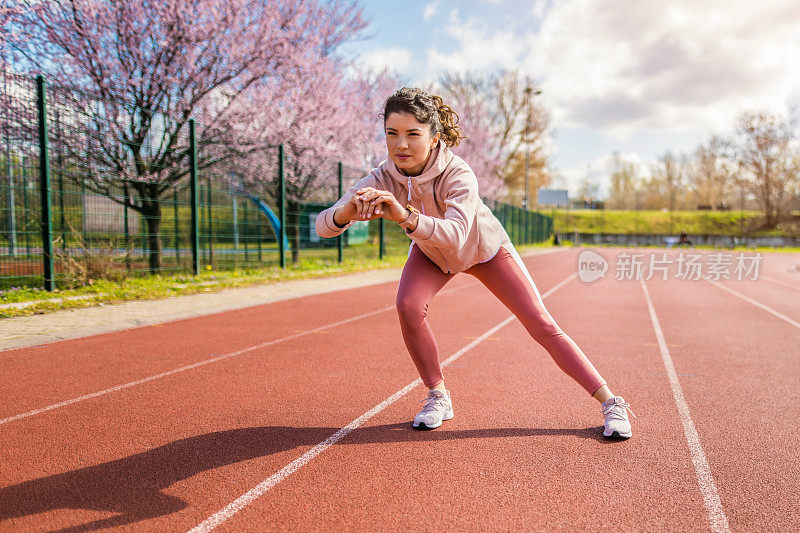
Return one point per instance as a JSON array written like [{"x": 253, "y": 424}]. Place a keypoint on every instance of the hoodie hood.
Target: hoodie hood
[{"x": 421, "y": 185}]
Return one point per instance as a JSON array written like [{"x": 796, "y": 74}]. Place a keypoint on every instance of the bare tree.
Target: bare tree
[
  {"x": 518, "y": 121},
  {"x": 766, "y": 151},
  {"x": 624, "y": 180},
  {"x": 666, "y": 182},
  {"x": 710, "y": 174}
]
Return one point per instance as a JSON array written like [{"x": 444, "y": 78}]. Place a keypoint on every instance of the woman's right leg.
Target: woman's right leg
[{"x": 421, "y": 279}]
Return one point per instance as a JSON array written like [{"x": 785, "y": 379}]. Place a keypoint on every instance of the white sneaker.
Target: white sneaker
[
  {"x": 617, "y": 424},
  {"x": 437, "y": 407}
]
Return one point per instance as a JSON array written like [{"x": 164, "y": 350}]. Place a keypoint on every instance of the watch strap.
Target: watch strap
[{"x": 413, "y": 216}]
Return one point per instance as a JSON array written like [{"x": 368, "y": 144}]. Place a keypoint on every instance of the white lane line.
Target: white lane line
[
  {"x": 716, "y": 515},
  {"x": 251, "y": 495},
  {"x": 757, "y": 304},
  {"x": 773, "y": 280},
  {"x": 201, "y": 363}
]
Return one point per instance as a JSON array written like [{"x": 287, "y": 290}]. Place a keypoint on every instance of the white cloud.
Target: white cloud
[
  {"x": 539, "y": 9},
  {"x": 453, "y": 16},
  {"x": 396, "y": 59},
  {"x": 477, "y": 46},
  {"x": 430, "y": 10},
  {"x": 683, "y": 65}
]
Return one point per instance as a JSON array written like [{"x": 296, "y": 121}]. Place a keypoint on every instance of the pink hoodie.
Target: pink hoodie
[{"x": 455, "y": 229}]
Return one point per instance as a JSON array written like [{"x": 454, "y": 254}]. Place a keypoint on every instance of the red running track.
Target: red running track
[{"x": 179, "y": 443}]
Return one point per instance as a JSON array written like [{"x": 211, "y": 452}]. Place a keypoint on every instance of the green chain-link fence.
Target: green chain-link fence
[{"x": 121, "y": 197}]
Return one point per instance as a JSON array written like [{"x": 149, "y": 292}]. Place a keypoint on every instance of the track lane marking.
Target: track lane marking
[
  {"x": 204, "y": 362},
  {"x": 716, "y": 514},
  {"x": 251, "y": 495},
  {"x": 773, "y": 280},
  {"x": 757, "y": 304}
]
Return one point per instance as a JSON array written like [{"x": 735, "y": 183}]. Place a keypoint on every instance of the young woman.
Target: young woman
[{"x": 433, "y": 195}]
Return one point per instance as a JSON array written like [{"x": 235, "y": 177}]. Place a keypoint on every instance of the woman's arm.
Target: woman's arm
[{"x": 344, "y": 214}]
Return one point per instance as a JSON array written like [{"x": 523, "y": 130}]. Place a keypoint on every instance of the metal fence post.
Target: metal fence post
[
  {"x": 282, "y": 183},
  {"x": 382, "y": 241},
  {"x": 44, "y": 176},
  {"x": 193, "y": 194},
  {"x": 340, "y": 238}
]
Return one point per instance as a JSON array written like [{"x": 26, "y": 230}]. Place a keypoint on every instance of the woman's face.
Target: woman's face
[{"x": 409, "y": 142}]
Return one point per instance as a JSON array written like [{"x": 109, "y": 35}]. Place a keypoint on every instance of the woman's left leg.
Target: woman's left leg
[{"x": 510, "y": 282}]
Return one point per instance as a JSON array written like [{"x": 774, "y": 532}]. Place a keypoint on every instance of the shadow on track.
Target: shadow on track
[{"x": 132, "y": 486}]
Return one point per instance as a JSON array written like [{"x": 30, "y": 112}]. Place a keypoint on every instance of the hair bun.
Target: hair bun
[{"x": 451, "y": 131}]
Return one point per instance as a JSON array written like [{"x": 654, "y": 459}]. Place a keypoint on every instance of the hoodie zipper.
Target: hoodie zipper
[{"x": 422, "y": 204}]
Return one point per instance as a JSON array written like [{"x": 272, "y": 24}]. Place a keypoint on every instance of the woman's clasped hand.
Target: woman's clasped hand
[{"x": 374, "y": 203}]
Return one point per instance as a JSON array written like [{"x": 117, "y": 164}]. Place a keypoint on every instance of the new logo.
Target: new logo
[{"x": 591, "y": 266}]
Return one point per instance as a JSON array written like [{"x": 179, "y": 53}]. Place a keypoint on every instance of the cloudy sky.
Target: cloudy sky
[{"x": 638, "y": 77}]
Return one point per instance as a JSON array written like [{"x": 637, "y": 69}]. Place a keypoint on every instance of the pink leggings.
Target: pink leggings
[{"x": 508, "y": 279}]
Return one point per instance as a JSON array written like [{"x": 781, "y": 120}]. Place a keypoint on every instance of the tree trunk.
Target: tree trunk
[
  {"x": 151, "y": 211},
  {"x": 768, "y": 209}
]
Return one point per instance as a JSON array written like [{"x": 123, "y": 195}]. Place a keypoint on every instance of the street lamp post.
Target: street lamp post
[
  {"x": 741, "y": 211},
  {"x": 528, "y": 92},
  {"x": 741, "y": 181}
]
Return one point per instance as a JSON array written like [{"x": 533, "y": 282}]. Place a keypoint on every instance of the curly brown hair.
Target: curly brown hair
[{"x": 427, "y": 109}]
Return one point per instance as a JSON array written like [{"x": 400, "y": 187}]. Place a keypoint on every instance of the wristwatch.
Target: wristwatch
[{"x": 413, "y": 216}]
